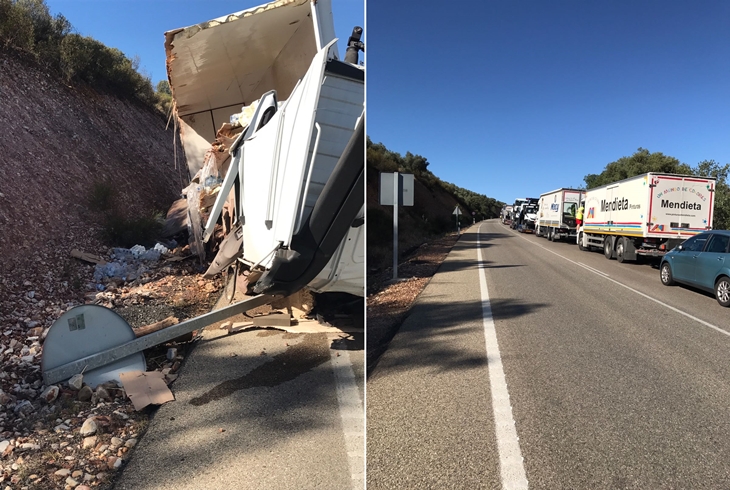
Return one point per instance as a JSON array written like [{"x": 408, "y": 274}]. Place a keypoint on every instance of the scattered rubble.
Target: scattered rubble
[{"x": 69, "y": 435}]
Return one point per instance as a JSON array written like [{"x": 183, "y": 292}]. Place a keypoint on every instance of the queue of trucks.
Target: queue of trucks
[{"x": 645, "y": 215}]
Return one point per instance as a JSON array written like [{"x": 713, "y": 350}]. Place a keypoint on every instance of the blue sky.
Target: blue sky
[
  {"x": 137, "y": 27},
  {"x": 514, "y": 98}
]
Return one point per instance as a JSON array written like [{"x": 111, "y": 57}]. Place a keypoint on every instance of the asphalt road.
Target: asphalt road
[
  {"x": 258, "y": 409},
  {"x": 615, "y": 381}
]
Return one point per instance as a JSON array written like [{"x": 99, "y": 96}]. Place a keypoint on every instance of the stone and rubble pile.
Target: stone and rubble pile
[{"x": 69, "y": 435}]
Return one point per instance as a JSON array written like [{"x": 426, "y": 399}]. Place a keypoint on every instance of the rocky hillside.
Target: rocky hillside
[{"x": 65, "y": 153}]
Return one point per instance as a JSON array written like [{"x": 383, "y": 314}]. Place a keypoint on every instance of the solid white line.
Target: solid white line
[
  {"x": 591, "y": 268},
  {"x": 605, "y": 276},
  {"x": 511, "y": 462},
  {"x": 352, "y": 414}
]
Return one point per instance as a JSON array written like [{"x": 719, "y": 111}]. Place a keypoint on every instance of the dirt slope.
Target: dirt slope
[
  {"x": 429, "y": 217},
  {"x": 58, "y": 145}
]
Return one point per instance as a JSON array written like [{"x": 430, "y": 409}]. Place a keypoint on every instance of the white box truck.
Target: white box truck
[
  {"x": 646, "y": 215},
  {"x": 505, "y": 215},
  {"x": 556, "y": 214}
]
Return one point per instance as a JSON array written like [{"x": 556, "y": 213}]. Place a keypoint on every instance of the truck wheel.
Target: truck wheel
[
  {"x": 665, "y": 274},
  {"x": 580, "y": 242},
  {"x": 620, "y": 249},
  {"x": 608, "y": 247},
  {"x": 722, "y": 291}
]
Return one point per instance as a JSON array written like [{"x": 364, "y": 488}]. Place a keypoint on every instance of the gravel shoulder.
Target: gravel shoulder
[{"x": 65, "y": 436}]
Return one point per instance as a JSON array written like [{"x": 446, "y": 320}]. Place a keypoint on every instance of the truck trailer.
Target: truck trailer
[
  {"x": 646, "y": 215},
  {"x": 556, "y": 214},
  {"x": 505, "y": 215},
  {"x": 266, "y": 92},
  {"x": 524, "y": 214}
]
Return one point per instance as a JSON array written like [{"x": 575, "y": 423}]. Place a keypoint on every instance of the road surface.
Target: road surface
[
  {"x": 561, "y": 370},
  {"x": 259, "y": 409}
]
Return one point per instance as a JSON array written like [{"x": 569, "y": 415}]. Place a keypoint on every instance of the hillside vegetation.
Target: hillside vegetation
[
  {"x": 29, "y": 30},
  {"x": 430, "y": 216}
]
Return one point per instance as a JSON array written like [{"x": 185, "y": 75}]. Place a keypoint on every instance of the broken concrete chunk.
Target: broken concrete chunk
[
  {"x": 50, "y": 394},
  {"x": 89, "y": 442},
  {"x": 102, "y": 394},
  {"x": 76, "y": 381},
  {"x": 85, "y": 394},
  {"x": 89, "y": 427}
]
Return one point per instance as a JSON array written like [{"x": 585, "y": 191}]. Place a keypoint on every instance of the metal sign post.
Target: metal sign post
[
  {"x": 396, "y": 190},
  {"x": 456, "y": 213},
  {"x": 396, "y": 194}
]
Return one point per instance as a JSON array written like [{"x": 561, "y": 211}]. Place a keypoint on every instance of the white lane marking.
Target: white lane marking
[
  {"x": 511, "y": 462},
  {"x": 591, "y": 268},
  {"x": 605, "y": 276},
  {"x": 352, "y": 414}
]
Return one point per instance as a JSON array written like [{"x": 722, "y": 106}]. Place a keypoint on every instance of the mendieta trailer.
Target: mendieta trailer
[
  {"x": 556, "y": 214},
  {"x": 647, "y": 214}
]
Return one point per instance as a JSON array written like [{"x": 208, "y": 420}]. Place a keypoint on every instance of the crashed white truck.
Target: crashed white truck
[
  {"x": 271, "y": 120},
  {"x": 646, "y": 215}
]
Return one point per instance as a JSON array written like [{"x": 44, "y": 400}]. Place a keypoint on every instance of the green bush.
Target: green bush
[
  {"x": 28, "y": 26},
  {"x": 128, "y": 232},
  {"x": 16, "y": 26},
  {"x": 102, "y": 196},
  {"x": 118, "y": 230}
]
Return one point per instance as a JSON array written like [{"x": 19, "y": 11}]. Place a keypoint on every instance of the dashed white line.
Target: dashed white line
[
  {"x": 511, "y": 462},
  {"x": 352, "y": 414}
]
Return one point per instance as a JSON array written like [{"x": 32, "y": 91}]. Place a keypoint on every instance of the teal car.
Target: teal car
[{"x": 702, "y": 261}]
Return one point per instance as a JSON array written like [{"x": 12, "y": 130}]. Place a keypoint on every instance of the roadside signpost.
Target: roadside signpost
[
  {"x": 396, "y": 189},
  {"x": 456, "y": 213}
]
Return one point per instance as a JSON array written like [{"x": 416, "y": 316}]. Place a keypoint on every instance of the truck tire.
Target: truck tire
[
  {"x": 608, "y": 247},
  {"x": 580, "y": 242},
  {"x": 551, "y": 234},
  {"x": 621, "y": 250}
]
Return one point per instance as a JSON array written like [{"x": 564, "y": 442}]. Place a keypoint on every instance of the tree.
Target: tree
[
  {"x": 639, "y": 163},
  {"x": 710, "y": 168},
  {"x": 415, "y": 163},
  {"x": 163, "y": 87}
]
